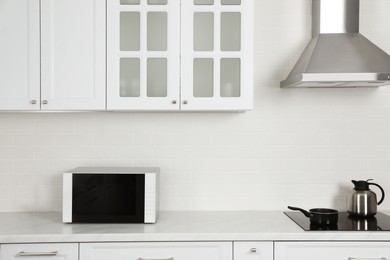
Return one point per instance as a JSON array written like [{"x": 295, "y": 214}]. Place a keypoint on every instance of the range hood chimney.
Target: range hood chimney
[{"x": 338, "y": 55}]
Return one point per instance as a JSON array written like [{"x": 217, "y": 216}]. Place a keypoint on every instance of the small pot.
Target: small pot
[{"x": 320, "y": 216}]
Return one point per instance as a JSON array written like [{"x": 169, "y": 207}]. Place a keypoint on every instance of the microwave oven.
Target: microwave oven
[{"x": 111, "y": 195}]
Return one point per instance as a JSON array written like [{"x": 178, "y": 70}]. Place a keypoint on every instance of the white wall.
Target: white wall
[{"x": 297, "y": 147}]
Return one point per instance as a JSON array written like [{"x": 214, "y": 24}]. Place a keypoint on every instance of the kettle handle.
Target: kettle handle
[{"x": 383, "y": 192}]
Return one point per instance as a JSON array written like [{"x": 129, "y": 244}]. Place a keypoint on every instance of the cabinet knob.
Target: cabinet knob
[
  {"x": 33, "y": 101},
  {"x": 185, "y": 102},
  {"x": 253, "y": 250},
  {"x": 45, "y": 102}
]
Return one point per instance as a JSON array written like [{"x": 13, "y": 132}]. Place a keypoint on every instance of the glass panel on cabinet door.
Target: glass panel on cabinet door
[
  {"x": 203, "y": 31},
  {"x": 129, "y": 77},
  {"x": 130, "y": 2},
  {"x": 203, "y": 77},
  {"x": 230, "y": 31},
  {"x": 157, "y": 31},
  {"x": 157, "y": 2},
  {"x": 230, "y": 2},
  {"x": 157, "y": 85},
  {"x": 230, "y": 77},
  {"x": 130, "y": 31},
  {"x": 203, "y": 2}
]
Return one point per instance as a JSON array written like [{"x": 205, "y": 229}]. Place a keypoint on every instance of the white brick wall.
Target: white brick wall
[{"x": 298, "y": 147}]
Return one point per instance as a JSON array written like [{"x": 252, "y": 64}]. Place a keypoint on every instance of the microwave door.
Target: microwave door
[{"x": 108, "y": 198}]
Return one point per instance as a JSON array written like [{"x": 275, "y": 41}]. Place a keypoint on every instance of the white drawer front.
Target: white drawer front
[
  {"x": 253, "y": 251},
  {"x": 160, "y": 251},
  {"x": 332, "y": 250},
  {"x": 39, "y": 251}
]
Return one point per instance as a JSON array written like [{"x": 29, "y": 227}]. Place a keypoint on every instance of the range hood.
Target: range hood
[{"x": 338, "y": 55}]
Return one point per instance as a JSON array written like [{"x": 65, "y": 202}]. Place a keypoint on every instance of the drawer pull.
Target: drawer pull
[
  {"x": 23, "y": 253},
  {"x": 171, "y": 258},
  {"x": 367, "y": 258}
]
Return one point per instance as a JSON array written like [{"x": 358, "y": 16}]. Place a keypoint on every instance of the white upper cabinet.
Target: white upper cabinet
[
  {"x": 19, "y": 55},
  {"x": 73, "y": 54},
  {"x": 217, "y": 55},
  {"x": 162, "y": 55},
  {"x": 143, "y": 54},
  {"x": 179, "y": 55},
  {"x": 52, "y": 55}
]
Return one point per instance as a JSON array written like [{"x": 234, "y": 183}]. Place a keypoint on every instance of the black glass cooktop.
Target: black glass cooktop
[{"x": 380, "y": 222}]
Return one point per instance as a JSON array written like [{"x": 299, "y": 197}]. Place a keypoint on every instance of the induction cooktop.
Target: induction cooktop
[{"x": 380, "y": 222}]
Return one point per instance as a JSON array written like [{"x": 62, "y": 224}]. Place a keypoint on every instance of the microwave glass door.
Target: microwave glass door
[{"x": 108, "y": 198}]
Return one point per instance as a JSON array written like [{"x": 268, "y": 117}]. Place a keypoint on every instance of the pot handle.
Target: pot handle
[
  {"x": 383, "y": 192},
  {"x": 306, "y": 213}
]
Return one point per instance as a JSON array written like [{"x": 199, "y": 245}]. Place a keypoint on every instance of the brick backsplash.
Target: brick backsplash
[{"x": 297, "y": 147}]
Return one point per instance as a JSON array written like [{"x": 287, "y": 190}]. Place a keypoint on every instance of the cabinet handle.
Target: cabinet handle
[
  {"x": 253, "y": 250},
  {"x": 140, "y": 258},
  {"x": 23, "y": 253},
  {"x": 185, "y": 102},
  {"x": 174, "y": 102},
  {"x": 33, "y": 102},
  {"x": 367, "y": 258},
  {"x": 45, "y": 102}
]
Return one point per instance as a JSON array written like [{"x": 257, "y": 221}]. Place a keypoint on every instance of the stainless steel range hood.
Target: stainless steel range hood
[{"x": 338, "y": 55}]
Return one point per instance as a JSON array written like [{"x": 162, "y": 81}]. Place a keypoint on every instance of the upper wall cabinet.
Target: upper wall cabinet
[
  {"x": 61, "y": 67},
  {"x": 169, "y": 55},
  {"x": 143, "y": 54},
  {"x": 217, "y": 55},
  {"x": 73, "y": 54},
  {"x": 19, "y": 55}
]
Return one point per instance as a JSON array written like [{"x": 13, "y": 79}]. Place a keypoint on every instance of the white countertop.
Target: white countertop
[{"x": 171, "y": 226}]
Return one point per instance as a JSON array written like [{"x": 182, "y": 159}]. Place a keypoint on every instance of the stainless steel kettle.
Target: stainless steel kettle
[{"x": 362, "y": 202}]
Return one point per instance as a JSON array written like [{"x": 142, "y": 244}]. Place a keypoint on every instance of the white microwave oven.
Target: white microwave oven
[{"x": 111, "y": 195}]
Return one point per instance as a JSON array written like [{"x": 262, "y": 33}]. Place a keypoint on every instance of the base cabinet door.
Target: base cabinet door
[
  {"x": 253, "y": 250},
  {"x": 39, "y": 251},
  {"x": 332, "y": 250},
  {"x": 161, "y": 251}
]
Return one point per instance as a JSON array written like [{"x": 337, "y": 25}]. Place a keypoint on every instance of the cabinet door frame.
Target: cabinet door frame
[
  {"x": 245, "y": 100},
  {"x": 68, "y": 83},
  {"x": 24, "y": 92},
  {"x": 114, "y": 55}
]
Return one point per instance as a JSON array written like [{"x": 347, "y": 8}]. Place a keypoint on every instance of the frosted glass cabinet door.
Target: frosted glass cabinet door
[
  {"x": 143, "y": 55},
  {"x": 73, "y": 54},
  {"x": 217, "y": 55},
  {"x": 19, "y": 55}
]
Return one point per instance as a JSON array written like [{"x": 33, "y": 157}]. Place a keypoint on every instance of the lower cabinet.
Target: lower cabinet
[
  {"x": 39, "y": 251},
  {"x": 253, "y": 250},
  {"x": 332, "y": 250},
  {"x": 158, "y": 250},
  {"x": 198, "y": 251}
]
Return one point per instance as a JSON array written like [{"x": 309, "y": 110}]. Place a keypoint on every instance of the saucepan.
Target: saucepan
[{"x": 320, "y": 216}]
